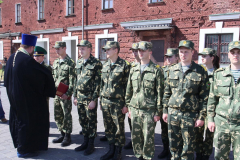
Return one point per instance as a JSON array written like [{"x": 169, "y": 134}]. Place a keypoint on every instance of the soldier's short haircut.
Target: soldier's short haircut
[{"x": 116, "y": 48}]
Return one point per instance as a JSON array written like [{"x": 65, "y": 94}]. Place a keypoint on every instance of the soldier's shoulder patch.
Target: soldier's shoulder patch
[
  {"x": 204, "y": 67},
  {"x": 157, "y": 66},
  {"x": 219, "y": 69},
  {"x": 127, "y": 62},
  {"x": 72, "y": 60}
]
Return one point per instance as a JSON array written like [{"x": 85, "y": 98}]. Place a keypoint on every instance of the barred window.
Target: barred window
[
  {"x": 70, "y": 7},
  {"x": 18, "y": 13},
  {"x": 41, "y": 9}
]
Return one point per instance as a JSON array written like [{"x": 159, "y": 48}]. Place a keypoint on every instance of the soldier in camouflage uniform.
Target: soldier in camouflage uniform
[
  {"x": 86, "y": 93},
  {"x": 38, "y": 55},
  {"x": 114, "y": 78},
  {"x": 224, "y": 106},
  {"x": 136, "y": 61},
  {"x": 63, "y": 71},
  {"x": 171, "y": 58},
  {"x": 143, "y": 98},
  {"x": 185, "y": 101},
  {"x": 204, "y": 147}
]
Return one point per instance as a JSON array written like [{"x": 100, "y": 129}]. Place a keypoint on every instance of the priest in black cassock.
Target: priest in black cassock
[{"x": 28, "y": 83}]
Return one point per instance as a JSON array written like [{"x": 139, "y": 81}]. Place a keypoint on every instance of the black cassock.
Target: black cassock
[{"x": 28, "y": 83}]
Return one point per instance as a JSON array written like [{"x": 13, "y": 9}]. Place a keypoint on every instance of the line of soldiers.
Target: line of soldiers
[{"x": 177, "y": 95}]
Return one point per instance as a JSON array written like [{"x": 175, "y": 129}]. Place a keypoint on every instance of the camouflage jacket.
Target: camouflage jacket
[
  {"x": 65, "y": 73},
  {"x": 224, "y": 97},
  {"x": 47, "y": 66},
  {"x": 114, "y": 79},
  {"x": 187, "y": 91},
  {"x": 145, "y": 91},
  {"x": 88, "y": 78}
]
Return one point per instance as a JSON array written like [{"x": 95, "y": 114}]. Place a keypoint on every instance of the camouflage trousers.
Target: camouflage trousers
[
  {"x": 204, "y": 146},
  {"x": 113, "y": 120},
  {"x": 143, "y": 132},
  {"x": 181, "y": 133},
  {"x": 164, "y": 127},
  {"x": 62, "y": 114},
  {"x": 226, "y": 133},
  {"x": 87, "y": 118}
]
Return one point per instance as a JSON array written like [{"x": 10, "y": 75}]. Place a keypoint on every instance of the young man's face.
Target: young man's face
[
  {"x": 171, "y": 60},
  {"x": 135, "y": 54},
  {"x": 84, "y": 51},
  {"x": 60, "y": 51},
  {"x": 234, "y": 56},
  {"x": 185, "y": 54},
  {"x": 207, "y": 59},
  {"x": 144, "y": 54},
  {"x": 111, "y": 52},
  {"x": 39, "y": 59}
]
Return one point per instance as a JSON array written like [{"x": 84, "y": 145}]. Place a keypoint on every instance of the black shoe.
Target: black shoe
[
  {"x": 164, "y": 153},
  {"x": 169, "y": 156},
  {"x": 67, "y": 140},
  {"x": 110, "y": 153},
  {"x": 128, "y": 146},
  {"x": 118, "y": 153},
  {"x": 90, "y": 147},
  {"x": 104, "y": 138},
  {"x": 140, "y": 158},
  {"x": 205, "y": 157},
  {"x": 80, "y": 132},
  {"x": 60, "y": 138},
  {"x": 27, "y": 155},
  {"x": 84, "y": 144},
  {"x": 199, "y": 156}
]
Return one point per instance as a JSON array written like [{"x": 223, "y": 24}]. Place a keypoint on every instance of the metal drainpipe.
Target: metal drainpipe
[{"x": 82, "y": 19}]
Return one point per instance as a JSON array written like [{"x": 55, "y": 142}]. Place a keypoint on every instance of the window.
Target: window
[
  {"x": 41, "y": 9},
  {"x": 154, "y": 1},
  {"x": 102, "y": 42},
  {"x": 107, "y": 4},
  {"x": 18, "y": 13},
  {"x": 0, "y": 16},
  {"x": 70, "y": 7},
  {"x": 219, "y": 42}
]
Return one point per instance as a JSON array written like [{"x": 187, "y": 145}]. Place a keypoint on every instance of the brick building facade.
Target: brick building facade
[{"x": 208, "y": 23}]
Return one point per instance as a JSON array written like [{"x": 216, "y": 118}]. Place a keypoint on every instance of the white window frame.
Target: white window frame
[
  {"x": 67, "y": 8},
  {"x": 104, "y": 4},
  {"x": 39, "y": 9},
  {"x": 16, "y": 20},
  {"x": 101, "y": 36},
  {"x": 70, "y": 37},
  {"x": 217, "y": 30},
  {"x": 155, "y": 2},
  {"x": 1, "y": 50}
]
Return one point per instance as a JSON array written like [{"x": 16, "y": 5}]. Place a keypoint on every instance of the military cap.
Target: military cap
[
  {"x": 111, "y": 44},
  {"x": 134, "y": 46},
  {"x": 171, "y": 52},
  {"x": 186, "y": 43},
  {"x": 29, "y": 40},
  {"x": 233, "y": 45},
  {"x": 59, "y": 44},
  {"x": 207, "y": 51},
  {"x": 84, "y": 43},
  {"x": 144, "y": 45},
  {"x": 39, "y": 51}
]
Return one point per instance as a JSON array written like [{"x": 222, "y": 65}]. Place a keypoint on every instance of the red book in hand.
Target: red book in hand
[{"x": 62, "y": 89}]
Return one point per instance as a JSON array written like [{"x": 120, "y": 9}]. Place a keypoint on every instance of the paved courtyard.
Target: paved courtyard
[{"x": 55, "y": 151}]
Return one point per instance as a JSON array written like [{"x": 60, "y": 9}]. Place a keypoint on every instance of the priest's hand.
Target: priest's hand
[
  {"x": 124, "y": 110},
  {"x": 165, "y": 117},
  {"x": 92, "y": 105},
  {"x": 75, "y": 101},
  {"x": 199, "y": 123},
  {"x": 64, "y": 96}
]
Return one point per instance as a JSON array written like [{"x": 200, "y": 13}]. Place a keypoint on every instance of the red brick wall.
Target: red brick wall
[{"x": 188, "y": 15}]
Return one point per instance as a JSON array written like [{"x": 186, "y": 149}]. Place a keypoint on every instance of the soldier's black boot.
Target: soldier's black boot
[
  {"x": 198, "y": 156},
  {"x": 60, "y": 138},
  {"x": 67, "y": 140},
  {"x": 90, "y": 147},
  {"x": 118, "y": 153},
  {"x": 205, "y": 157},
  {"x": 140, "y": 158},
  {"x": 165, "y": 152},
  {"x": 104, "y": 138},
  {"x": 128, "y": 146},
  {"x": 110, "y": 153},
  {"x": 84, "y": 144}
]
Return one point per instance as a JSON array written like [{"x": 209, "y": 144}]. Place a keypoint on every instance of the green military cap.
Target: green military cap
[
  {"x": 134, "y": 46},
  {"x": 59, "y": 44},
  {"x": 39, "y": 51},
  {"x": 144, "y": 45},
  {"x": 84, "y": 43},
  {"x": 111, "y": 44},
  {"x": 233, "y": 45},
  {"x": 186, "y": 43},
  {"x": 208, "y": 51},
  {"x": 171, "y": 52}
]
